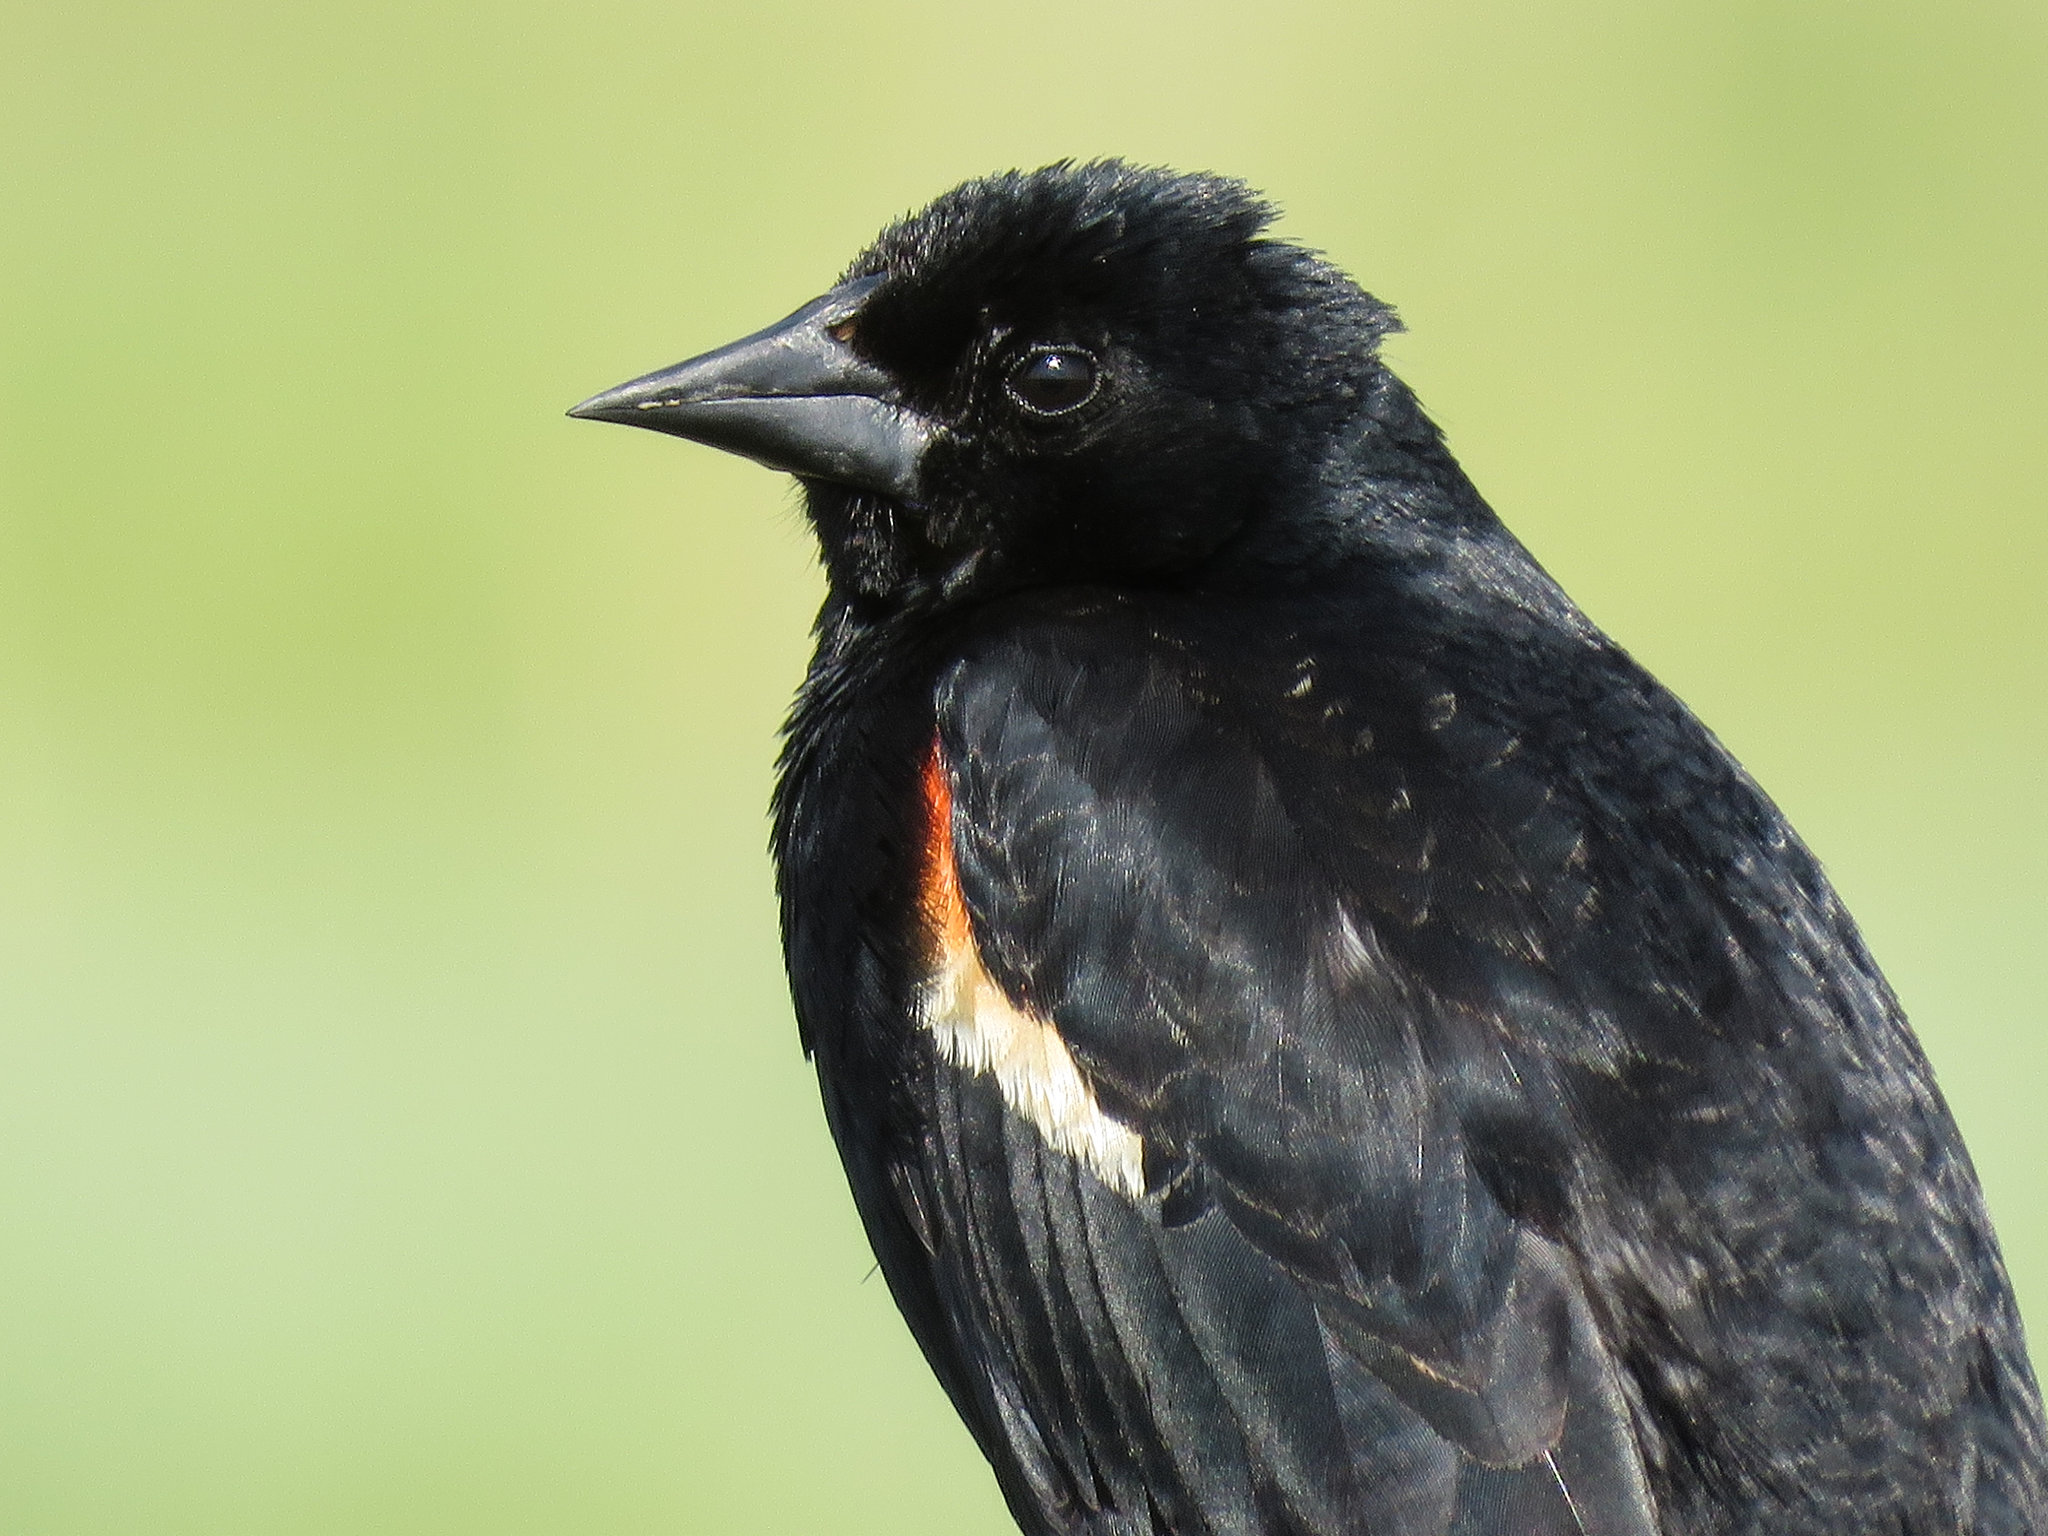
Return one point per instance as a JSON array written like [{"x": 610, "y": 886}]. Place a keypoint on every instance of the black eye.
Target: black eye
[{"x": 1052, "y": 380}]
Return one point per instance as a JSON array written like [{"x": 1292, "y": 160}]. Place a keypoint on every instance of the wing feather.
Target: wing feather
[{"x": 1317, "y": 1305}]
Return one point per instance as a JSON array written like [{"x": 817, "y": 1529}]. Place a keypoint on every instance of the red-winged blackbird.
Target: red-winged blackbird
[{"x": 1320, "y": 1040}]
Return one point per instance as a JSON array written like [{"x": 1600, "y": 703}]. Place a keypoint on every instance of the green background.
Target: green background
[{"x": 401, "y": 1125}]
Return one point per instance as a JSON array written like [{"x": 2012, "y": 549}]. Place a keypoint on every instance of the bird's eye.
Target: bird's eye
[{"x": 1051, "y": 381}]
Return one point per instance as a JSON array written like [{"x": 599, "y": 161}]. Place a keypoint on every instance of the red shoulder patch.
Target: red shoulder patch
[
  {"x": 975, "y": 1026},
  {"x": 939, "y": 900}
]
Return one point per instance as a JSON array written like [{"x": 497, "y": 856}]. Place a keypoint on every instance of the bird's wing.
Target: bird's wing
[{"x": 1337, "y": 1177}]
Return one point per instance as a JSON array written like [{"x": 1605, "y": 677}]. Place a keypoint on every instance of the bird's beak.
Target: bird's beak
[{"x": 794, "y": 397}]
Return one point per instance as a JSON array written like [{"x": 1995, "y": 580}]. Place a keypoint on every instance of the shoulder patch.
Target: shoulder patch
[{"x": 978, "y": 1028}]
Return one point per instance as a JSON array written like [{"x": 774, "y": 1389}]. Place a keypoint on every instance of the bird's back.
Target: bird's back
[{"x": 1461, "y": 997}]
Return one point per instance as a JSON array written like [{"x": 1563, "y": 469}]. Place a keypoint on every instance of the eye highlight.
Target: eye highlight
[{"x": 1051, "y": 381}]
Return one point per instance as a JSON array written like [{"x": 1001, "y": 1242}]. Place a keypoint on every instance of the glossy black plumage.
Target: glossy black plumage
[{"x": 1529, "y": 1143}]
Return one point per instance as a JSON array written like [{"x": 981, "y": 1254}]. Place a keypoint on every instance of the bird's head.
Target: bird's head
[{"x": 1091, "y": 373}]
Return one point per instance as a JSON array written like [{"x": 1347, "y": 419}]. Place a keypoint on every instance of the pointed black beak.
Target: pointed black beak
[{"x": 794, "y": 397}]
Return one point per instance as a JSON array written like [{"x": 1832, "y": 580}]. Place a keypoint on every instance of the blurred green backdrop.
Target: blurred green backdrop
[{"x": 401, "y": 1126}]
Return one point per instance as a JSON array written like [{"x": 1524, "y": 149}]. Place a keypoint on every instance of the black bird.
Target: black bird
[{"x": 1320, "y": 1040}]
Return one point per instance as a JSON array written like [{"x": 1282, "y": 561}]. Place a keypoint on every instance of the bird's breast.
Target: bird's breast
[{"x": 976, "y": 1026}]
